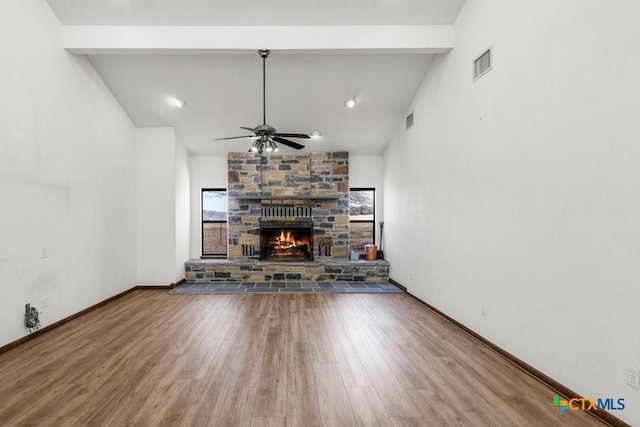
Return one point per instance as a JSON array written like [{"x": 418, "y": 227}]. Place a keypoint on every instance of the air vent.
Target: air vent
[
  {"x": 482, "y": 64},
  {"x": 409, "y": 121}
]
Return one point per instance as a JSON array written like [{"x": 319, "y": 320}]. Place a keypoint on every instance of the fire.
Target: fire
[
  {"x": 286, "y": 240},
  {"x": 287, "y": 244}
]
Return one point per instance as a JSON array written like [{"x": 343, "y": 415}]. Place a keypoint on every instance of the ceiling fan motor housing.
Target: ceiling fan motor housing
[{"x": 265, "y": 130}]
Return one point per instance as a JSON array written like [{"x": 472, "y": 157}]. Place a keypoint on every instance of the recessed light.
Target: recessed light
[
  {"x": 315, "y": 134},
  {"x": 350, "y": 103},
  {"x": 179, "y": 103}
]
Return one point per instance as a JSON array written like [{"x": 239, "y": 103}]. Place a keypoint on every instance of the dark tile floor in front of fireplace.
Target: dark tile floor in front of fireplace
[{"x": 194, "y": 288}]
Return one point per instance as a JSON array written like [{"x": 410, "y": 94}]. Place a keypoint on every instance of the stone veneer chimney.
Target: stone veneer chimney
[{"x": 319, "y": 181}]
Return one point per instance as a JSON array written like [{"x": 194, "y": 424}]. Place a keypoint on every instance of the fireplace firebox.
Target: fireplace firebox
[{"x": 286, "y": 240}]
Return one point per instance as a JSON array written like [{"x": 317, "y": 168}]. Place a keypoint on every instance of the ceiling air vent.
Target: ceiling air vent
[
  {"x": 409, "y": 121},
  {"x": 482, "y": 64}
]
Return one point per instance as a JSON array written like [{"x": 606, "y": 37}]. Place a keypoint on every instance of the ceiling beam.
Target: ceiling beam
[{"x": 325, "y": 39}]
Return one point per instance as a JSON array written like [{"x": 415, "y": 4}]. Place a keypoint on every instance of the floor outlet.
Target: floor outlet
[{"x": 633, "y": 376}]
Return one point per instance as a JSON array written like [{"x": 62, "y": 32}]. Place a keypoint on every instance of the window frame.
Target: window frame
[
  {"x": 372, "y": 221},
  {"x": 203, "y": 222}
]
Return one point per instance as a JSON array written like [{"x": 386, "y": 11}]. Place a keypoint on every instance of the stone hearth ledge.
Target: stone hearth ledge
[{"x": 325, "y": 270}]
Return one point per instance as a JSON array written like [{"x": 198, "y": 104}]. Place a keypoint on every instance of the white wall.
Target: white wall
[
  {"x": 520, "y": 191},
  {"x": 211, "y": 172},
  {"x": 156, "y": 197},
  {"x": 67, "y": 176},
  {"x": 183, "y": 209},
  {"x": 163, "y": 192}
]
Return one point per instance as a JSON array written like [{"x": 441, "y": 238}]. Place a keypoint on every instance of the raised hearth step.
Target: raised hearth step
[{"x": 341, "y": 270}]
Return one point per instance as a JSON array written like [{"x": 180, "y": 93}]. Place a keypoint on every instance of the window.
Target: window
[
  {"x": 214, "y": 222},
  {"x": 362, "y": 218}
]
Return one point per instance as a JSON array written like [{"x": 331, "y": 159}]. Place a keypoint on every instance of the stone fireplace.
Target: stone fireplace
[{"x": 288, "y": 191}]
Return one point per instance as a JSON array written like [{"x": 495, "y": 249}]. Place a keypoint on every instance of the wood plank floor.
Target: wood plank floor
[{"x": 151, "y": 358}]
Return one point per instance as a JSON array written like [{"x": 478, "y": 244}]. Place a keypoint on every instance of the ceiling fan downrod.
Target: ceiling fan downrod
[{"x": 264, "y": 53}]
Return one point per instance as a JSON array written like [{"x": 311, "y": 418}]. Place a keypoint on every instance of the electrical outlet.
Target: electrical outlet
[
  {"x": 633, "y": 376},
  {"x": 44, "y": 302},
  {"x": 44, "y": 252}
]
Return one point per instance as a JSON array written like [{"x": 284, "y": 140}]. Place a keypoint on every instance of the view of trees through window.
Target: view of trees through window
[
  {"x": 214, "y": 222},
  {"x": 362, "y": 218}
]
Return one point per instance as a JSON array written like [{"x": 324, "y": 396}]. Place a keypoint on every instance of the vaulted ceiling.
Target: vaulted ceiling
[{"x": 205, "y": 52}]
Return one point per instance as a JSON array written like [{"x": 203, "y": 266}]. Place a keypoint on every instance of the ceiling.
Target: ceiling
[{"x": 306, "y": 90}]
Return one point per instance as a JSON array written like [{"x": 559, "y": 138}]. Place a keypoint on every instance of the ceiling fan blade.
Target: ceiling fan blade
[
  {"x": 235, "y": 137},
  {"x": 246, "y": 128},
  {"x": 293, "y": 135},
  {"x": 288, "y": 143}
]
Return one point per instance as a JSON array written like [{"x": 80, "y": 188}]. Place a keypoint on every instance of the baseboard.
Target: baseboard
[
  {"x": 398, "y": 285},
  {"x": 155, "y": 286},
  {"x": 178, "y": 283},
  {"x": 61, "y": 322},
  {"x": 169, "y": 286},
  {"x": 560, "y": 389}
]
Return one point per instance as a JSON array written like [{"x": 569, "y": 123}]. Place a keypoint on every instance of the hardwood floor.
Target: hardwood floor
[{"x": 151, "y": 358}]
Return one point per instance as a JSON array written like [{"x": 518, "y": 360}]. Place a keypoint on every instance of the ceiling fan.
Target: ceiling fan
[{"x": 267, "y": 135}]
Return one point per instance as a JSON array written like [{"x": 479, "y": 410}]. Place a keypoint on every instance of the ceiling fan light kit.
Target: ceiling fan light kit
[
  {"x": 268, "y": 136},
  {"x": 260, "y": 146}
]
